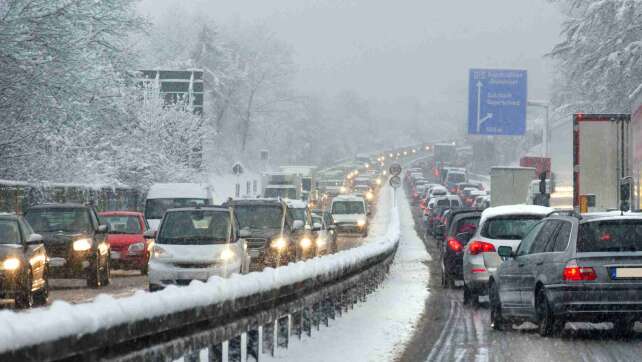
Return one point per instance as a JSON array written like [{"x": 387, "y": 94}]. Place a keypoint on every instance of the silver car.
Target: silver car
[
  {"x": 499, "y": 226},
  {"x": 570, "y": 269}
]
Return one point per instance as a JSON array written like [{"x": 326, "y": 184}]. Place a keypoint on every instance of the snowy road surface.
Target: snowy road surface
[
  {"x": 452, "y": 331},
  {"x": 377, "y": 329}
]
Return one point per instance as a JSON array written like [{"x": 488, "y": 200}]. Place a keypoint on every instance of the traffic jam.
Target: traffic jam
[
  {"x": 181, "y": 235},
  {"x": 527, "y": 261}
]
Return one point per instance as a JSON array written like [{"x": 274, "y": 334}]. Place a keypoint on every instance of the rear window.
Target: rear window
[
  {"x": 509, "y": 227},
  {"x": 610, "y": 236},
  {"x": 456, "y": 177},
  {"x": 466, "y": 225},
  {"x": 442, "y": 203}
]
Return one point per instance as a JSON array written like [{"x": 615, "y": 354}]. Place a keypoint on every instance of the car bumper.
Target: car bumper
[
  {"x": 453, "y": 264},
  {"x": 9, "y": 286},
  {"x": 596, "y": 301},
  {"x": 351, "y": 229},
  {"x": 69, "y": 267},
  {"x": 119, "y": 260},
  {"x": 162, "y": 274}
]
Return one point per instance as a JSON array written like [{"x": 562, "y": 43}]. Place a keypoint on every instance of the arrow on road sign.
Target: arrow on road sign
[{"x": 488, "y": 115}]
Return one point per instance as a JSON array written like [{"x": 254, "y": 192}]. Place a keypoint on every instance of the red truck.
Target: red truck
[{"x": 541, "y": 164}]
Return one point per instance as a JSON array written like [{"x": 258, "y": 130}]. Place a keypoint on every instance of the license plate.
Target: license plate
[
  {"x": 57, "y": 262},
  {"x": 628, "y": 273},
  {"x": 115, "y": 255}
]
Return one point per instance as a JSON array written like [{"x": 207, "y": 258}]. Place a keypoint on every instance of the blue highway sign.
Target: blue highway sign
[{"x": 497, "y": 101}]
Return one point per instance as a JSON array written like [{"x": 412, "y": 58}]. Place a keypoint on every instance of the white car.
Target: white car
[
  {"x": 499, "y": 226},
  {"x": 195, "y": 244},
  {"x": 350, "y": 215}
]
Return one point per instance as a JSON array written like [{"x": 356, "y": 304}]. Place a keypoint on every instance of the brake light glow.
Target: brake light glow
[
  {"x": 574, "y": 272},
  {"x": 478, "y": 270},
  {"x": 476, "y": 247},
  {"x": 455, "y": 245}
]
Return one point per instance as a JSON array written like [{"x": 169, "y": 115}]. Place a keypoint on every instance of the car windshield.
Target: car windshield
[
  {"x": 285, "y": 193},
  {"x": 67, "y": 219},
  {"x": 509, "y": 227},
  {"x": 122, "y": 224},
  {"x": 610, "y": 236},
  {"x": 259, "y": 216},
  {"x": 297, "y": 213},
  {"x": 155, "y": 208},
  {"x": 347, "y": 207},
  {"x": 456, "y": 177},
  {"x": 9, "y": 232},
  {"x": 195, "y": 227}
]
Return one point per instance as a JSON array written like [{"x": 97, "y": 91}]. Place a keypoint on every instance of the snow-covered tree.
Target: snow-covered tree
[{"x": 599, "y": 57}]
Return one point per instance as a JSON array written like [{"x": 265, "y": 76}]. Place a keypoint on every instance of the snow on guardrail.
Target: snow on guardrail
[{"x": 61, "y": 319}]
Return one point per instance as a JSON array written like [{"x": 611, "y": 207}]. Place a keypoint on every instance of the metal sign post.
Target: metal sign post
[{"x": 395, "y": 182}]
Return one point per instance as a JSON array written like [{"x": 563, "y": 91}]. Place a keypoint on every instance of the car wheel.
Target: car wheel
[
  {"x": 624, "y": 327},
  {"x": 93, "y": 274},
  {"x": 105, "y": 276},
  {"x": 446, "y": 280},
  {"x": 470, "y": 296},
  {"x": 497, "y": 321},
  {"x": 24, "y": 300},
  {"x": 548, "y": 324},
  {"x": 42, "y": 296}
]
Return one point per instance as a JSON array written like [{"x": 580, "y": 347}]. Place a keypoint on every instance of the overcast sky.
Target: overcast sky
[{"x": 389, "y": 49}]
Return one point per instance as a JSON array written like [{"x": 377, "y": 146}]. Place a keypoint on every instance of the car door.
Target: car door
[
  {"x": 34, "y": 253},
  {"x": 531, "y": 263},
  {"x": 510, "y": 273}
]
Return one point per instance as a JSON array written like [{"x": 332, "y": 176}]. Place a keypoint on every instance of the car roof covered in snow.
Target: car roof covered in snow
[
  {"x": 509, "y": 210},
  {"x": 178, "y": 191},
  {"x": 206, "y": 208},
  {"x": 347, "y": 198},
  {"x": 296, "y": 204}
]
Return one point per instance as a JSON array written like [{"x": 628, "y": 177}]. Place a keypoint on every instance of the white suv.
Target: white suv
[
  {"x": 499, "y": 226},
  {"x": 195, "y": 244}
]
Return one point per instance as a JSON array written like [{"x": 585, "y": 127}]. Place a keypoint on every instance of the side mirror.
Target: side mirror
[
  {"x": 244, "y": 233},
  {"x": 464, "y": 238},
  {"x": 505, "y": 252},
  {"x": 317, "y": 227},
  {"x": 102, "y": 229},
  {"x": 34, "y": 239},
  {"x": 150, "y": 234},
  {"x": 297, "y": 225}
]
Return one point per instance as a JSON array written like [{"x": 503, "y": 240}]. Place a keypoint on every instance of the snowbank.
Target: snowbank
[{"x": 20, "y": 329}]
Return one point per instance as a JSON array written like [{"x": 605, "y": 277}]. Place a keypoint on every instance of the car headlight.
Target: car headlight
[
  {"x": 160, "y": 252},
  {"x": 227, "y": 254},
  {"x": 361, "y": 223},
  {"x": 369, "y": 195},
  {"x": 136, "y": 247},
  {"x": 82, "y": 245},
  {"x": 343, "y": 189},
  {"x": 306, "y": 243},
  {"x": 279, "y": 244},
  {"x": 378, "y": 181},
  {"x": 11, "y": 264},
  {"x": 320, "y": 241}
]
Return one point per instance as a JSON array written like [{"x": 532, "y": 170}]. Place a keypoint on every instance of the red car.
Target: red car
[{"x": 130, "y": 249}]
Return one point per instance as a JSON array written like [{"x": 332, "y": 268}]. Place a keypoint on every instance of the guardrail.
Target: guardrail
[{"x": 248, "y": 314}]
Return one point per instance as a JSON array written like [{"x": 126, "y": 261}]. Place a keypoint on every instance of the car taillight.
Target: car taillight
[
  {"x": 476, "y": 247},
  {"x": 455, "y": 245},
  {"x": 574, "y": 272}
]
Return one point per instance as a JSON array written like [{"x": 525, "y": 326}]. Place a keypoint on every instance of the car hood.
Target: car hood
[
  {"x": 339, "y": 218},
  {"x": 196, "y": 253},
  {"x": 264, "y": 233},
  {"x": 7, "y": 250},
  {"x": 153, "y": 224},
  {"x": 55, "y": 238},
  {"x": 124, "y": 239}
]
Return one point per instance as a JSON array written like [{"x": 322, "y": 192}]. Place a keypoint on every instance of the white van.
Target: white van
[
  {"x": 350, "y": 214},
  {"x": 164, "y": 196}
]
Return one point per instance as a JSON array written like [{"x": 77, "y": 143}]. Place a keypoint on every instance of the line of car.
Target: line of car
[
  {"x": 544, "y": 266},
  {"x": 195, "y": 242}
]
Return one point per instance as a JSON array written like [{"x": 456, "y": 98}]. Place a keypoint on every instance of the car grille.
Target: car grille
[
  {"x": 256, "y": 243},
  {"x": 58, "y": 250},
  {"x": 119, "y": 248}
]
